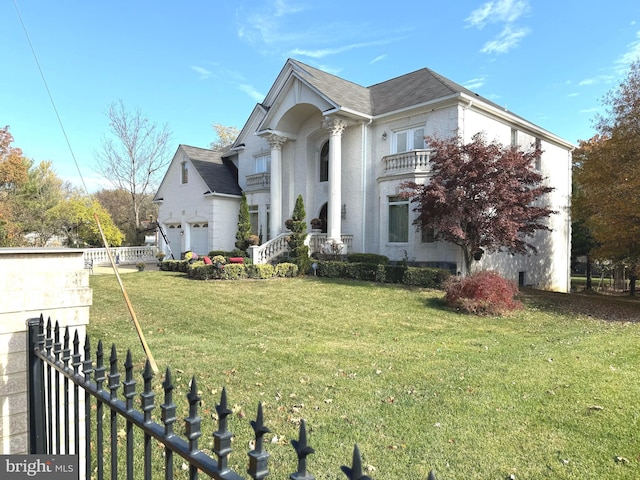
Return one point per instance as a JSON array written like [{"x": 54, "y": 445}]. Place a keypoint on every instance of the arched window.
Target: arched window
[{"x": 324, "y": 162}]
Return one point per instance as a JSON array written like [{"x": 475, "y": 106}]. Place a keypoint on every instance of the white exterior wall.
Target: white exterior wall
[
  {"x": 366, "y": 187},
  {"x": 550, "y": 268},
  {"x": 186, "y": 205}
]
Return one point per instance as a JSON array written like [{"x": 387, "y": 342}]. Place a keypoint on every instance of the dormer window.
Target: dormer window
[
  {"x": 409, "y": 139},
  {"x": 185, "y": 173}
]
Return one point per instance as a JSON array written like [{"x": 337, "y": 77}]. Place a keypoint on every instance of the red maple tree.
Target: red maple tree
[{"x": 482, "y": 196}]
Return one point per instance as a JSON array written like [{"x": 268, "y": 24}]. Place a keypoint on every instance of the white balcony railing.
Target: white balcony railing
[
  {"x": 414, "y": 161},
  {"x": 258, "y": 181}
]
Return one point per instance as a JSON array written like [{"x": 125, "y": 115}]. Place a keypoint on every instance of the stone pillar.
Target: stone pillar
[
  {"x": 334, "y": 208},
  {"x": 275, "y": 199},
  {"x": 34, "y": 281}
]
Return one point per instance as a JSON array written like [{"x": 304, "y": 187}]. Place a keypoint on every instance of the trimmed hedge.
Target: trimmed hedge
[
  {"x": 260, "y": 271},
  {"x": 415, "y": 276},
  {"x": 368, "y": 258},
  {"x": 372, "y": 272},
  {"x": 426, "y": 277},
  {"x": 174, "y": 266},
  {"x": 286, "y": 269},
  {"x": 238, "y": 271}
]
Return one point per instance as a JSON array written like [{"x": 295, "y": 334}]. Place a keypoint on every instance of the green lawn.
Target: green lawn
[{"x": 538, "y": 394}]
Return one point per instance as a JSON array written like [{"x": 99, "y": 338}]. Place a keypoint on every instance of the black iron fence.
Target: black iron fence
[{"x": 71, "y": 395}]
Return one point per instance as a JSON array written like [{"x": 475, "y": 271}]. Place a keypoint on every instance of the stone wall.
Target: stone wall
[{"x": 34, "y": 281}]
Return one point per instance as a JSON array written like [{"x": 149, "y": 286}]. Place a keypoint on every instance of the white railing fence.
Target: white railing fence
[
  {"x": 121, "y": 255},
  {"x": 278, "y": 246}
]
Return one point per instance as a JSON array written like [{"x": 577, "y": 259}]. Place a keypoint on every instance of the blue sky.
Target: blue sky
[{"x": 195, "y": 63}]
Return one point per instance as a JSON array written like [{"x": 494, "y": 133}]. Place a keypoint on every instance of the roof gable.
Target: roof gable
[{"x": 220, "y": 175}]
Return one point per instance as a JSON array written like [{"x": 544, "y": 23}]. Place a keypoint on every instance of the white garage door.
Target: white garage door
[{"x": 199, "y": 238}]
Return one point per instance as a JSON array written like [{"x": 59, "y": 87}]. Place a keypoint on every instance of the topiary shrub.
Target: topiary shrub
[
  {"x": 482, "y": 293},
  {"x": 368, "y": 258}
]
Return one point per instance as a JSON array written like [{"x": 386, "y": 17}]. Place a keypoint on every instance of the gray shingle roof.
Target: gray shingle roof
[
  {"x": 340, "y": 91},
  {"x": 221, "y": 176},
  {"x": 397, "y": 93}
]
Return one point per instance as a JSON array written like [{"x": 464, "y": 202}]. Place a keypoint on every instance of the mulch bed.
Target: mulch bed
[{"x": 610, "y": 307}]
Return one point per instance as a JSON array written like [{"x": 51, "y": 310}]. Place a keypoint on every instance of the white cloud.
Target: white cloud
[
  {"x": 589, "y": 110},
  {"x": 252, "y": 92},
  {"x": 203, "y": 72},
  {"x": 631, "y": 55},
  {"x": 596, "y": 80},
  {"x": 323, "y": 52},
  {"x": 500, "y": 11},
  {"x": 508, "y": 39},
  {"x": 504, "y": 12},
  {"x": 475, "y": 83},
  {"x": 378, "y": 58}
]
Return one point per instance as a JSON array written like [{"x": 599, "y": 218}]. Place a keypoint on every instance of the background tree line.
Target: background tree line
[
  {"x": 37, "y": 208},
  {"x": 606, "y": 181}
]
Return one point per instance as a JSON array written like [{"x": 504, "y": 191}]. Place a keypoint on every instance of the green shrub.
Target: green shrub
[
  {"x": 362, "y": 271},
  {"x": 482, "y": 293},
  {"x": 425, "y": 277},
  {"x": 331, "y": 269},
  {"x": 174, "y": 266},
  {"x": 234, "y": 271},
  {"x": 260, "y": 271},
  {"x": 303, "y": 261},
  {"x": 287, "y": 270},
  {"x": 368, "y": 258},
  {"x": 394, "y": 273}
]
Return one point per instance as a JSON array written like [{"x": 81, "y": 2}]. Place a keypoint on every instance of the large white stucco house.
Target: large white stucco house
[{"x": 346, "y": 149}]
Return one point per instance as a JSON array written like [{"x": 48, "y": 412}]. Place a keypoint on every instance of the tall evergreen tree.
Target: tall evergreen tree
[
  {"x": 298, "y": 251},
  {"x": 244, "y": 225}
]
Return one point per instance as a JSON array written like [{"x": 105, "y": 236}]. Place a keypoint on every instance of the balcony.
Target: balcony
[
  {"x": 414, "y": 161},
  {"x": 259, "y": 181}
]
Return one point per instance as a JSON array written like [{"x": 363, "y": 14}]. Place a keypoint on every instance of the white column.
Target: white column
[
  {"x": 334, "y": 209},
  {"x": 275, "y": 198}
]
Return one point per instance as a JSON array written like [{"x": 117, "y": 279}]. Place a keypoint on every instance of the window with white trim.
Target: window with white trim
[
  {"x": 253, "y": 219},
  {"x": 324, "y": 162},
  {"x": 410, "y": 139},
  {"x": 538, "y": 160},
  {"x": 398, "y": 220},
  {"x": 262, "y": 164},
  {"x": 185, "y": 173}
]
